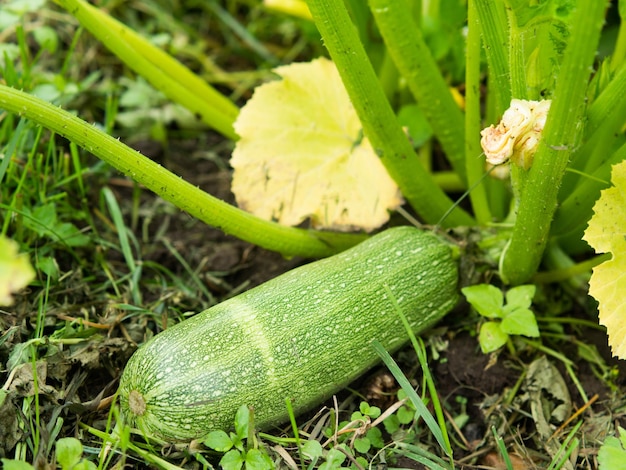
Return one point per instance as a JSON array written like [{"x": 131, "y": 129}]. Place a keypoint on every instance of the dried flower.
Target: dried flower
[{"x": 517, "y": 135}]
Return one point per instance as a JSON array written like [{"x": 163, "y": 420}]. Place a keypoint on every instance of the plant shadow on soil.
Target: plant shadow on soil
[{"x": 78, "y": 381}]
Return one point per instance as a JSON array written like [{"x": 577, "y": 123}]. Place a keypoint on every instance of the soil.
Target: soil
[{"x": 469, "y": 382}]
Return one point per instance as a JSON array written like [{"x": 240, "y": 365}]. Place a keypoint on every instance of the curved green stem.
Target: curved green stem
[
  {"x": 287, "y": 240},
  {"x": 416, "y": 64},
  {"x": 378, "y": 119},
  {"x": 164, "y": 72},
  {"x": 539, "y": 197},
  {"x": 570, "y": 271}
]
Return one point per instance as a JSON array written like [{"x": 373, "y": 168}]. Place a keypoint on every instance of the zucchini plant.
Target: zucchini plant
[{"x": 546, "y": 50}]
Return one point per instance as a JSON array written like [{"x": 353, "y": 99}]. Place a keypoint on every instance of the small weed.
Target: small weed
[
  {"x": 241, "y": 448},
  {"x": 515, "y": 318},
  {"x": 69, "y": 456}
]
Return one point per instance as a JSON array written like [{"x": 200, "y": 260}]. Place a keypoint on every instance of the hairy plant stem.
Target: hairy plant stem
[
  {"x": 415, "y": 63},
  {"x": 287, "y": 240},
  {"x": 490, "y": 17},
  {"x": 517, "y": 63},
  {"x": 519, "y": 90},
  {"x": 160, "y": 69},
  {"x": 539, "y": 195},
  {"x": 474, "y": 164},
  {"x": 493, "y": 27},
  {"x": 378, "y": 119}
]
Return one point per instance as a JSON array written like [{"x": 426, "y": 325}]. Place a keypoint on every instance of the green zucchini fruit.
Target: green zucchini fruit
[{"x": 304, "y": 335}]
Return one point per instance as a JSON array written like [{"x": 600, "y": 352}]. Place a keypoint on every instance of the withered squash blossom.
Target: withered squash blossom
[{"x": 517, "y": 135}]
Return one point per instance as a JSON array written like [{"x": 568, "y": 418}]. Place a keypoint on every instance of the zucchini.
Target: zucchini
[{"x": 303, "y": 335}]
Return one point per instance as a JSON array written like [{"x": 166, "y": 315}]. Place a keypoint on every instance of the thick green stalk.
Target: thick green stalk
[
  {"x": 187, "y": 197},
  {"x": 517, "y": 62},
  {"x": 164, "y": 72},
  {"x": 416, "y": 64},
  {"x": 539, "y": 197},
  {"x": 474, "y": 163},
  {"x": 494, "y": 26},
  {"x": 519, "y": 89},
  {"x": 378, "y": 119}
]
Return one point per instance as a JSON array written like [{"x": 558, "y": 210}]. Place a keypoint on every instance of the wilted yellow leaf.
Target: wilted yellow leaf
[
  {"x": 15, "y": 270},
  {"x": 607, "y": 233},
  {"x": 302, "y": 154}
]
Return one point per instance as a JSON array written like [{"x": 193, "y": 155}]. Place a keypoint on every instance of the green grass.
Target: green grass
[{"x": 116, "y": 265}]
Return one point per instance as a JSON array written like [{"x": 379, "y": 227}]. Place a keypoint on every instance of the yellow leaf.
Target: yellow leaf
[
  {"x": 297, "y": 8},
  {"x": 607, "y": 233},
  {"x": 301, "y": 154},
  {"x": 15, "y": 270}
]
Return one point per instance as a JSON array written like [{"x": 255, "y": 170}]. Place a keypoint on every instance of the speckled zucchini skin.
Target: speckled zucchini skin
[{"x": 303, "y": 335}]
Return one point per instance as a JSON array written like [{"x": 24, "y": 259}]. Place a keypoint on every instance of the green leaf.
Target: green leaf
[
  {"x": 85, "y": 465},
  {"x": 312, "y": 450},
  {"x": 371, "y": 411},
  {"x": 237, "y": 442},
  {"x": 334, "y": 459},
  {"x": 356, "y": 416},
  {"x": 362, "y": 445},
  {"x": 622, "y": 436},
  {"x": 520, "y": 296},
  {"x": 15, "y": 465},
  {"x": 43, "y": 221},
  {"x": 48, "y": 266},
  {"x": 405, "y": 414},
  {"x": 242, "y": 419},
  {"x": 392, "y": 424},
  {"x": 47, "y": 38},
  {"x": 69, "y": 451},
  {"x": 491, "y": 337},
  {"x": 612, "y": 455},
  {"x": 542, "y": 28},
  {"x": 486, "y": 299},
  {"x": 520, "y": 322},
  {"x": 375, "y": 437},
  {"x": 232, "y": 460},
  {"x": 69, "y": 234},
  {"x": 19, "y": 355},
  {"x": 412, "y": 117},
  {"x": 45, "y": 216},
  {"x": 219, "y": 441},
  {"x": 257, "y": 460}
]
